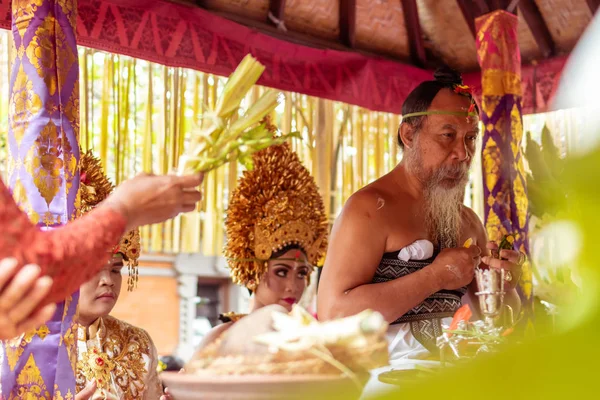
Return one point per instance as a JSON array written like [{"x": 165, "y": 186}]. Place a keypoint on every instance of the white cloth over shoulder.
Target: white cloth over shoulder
[{"x": 419, "y": 250}]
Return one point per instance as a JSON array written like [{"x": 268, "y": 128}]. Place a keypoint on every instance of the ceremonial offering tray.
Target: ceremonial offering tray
[
  {"x": 402, "y": 376},
  {"x": 259, "y": 387},
  {"x": 276, "y": 354}
]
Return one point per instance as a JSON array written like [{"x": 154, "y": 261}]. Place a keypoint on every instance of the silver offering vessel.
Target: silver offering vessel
[
  {"x": 482, "y": 335},
  {"x": 490, "y": 286}
]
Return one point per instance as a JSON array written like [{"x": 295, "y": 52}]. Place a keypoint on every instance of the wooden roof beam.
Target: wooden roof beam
[
  {"x": 415, "y": 36},
  {"x": 348, "y": 22},
  {"x": 593, "y": 5},
  {"x": 537, "y": 25}
]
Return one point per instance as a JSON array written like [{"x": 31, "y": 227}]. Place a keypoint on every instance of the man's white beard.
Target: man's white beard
[
  {"x": 443, "y": 213},
  {"x": 442, "y": 203}
]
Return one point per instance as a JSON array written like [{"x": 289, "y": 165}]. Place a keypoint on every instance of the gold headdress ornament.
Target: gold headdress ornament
[
  {"x": 275, "y": 204},
  {"x": 94, "y": 188}
]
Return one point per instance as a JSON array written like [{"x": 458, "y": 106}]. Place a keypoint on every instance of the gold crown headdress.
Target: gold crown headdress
[
  {"x": 94, "y": 188},
  {"x": 276, "y": 204}
]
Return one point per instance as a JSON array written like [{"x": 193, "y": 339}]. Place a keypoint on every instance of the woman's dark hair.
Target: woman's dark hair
[
  {"x": 172, "y": 363},
  {"x": 287, "y": 248},
  {"x": 421, "y": 97},
  {"x": 284, "y": 250}
]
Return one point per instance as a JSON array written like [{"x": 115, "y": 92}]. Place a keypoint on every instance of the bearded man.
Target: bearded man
[{"x": 417, "y": 204}]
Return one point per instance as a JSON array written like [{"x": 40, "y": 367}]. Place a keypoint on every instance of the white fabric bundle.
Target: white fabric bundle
[{"x": 418, "y": 250}]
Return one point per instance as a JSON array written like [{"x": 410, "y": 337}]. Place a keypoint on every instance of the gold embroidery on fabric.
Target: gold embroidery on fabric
[
  {"x": 516, "y": 130},
  {"x": 42, "y": 332},
  {"x": 500, "y": 127},
  {"x": 12, "y": 352},
  {"x": 526, "y": 281},
  {"x": 15, "y": 347},
  {"x": 11, "y": 164},
  {"x": 66, "y": 306},
  {"x": 520, "y": 200},
  {"x": 51, "y": 219},
  {"x": 492, "y": 160},
  {"x": 44, "y": 164},
  {"x": 30, "y": 384},
  {"x": 24, "y": 105},
  {"x": 23, "y": 12},
  {"x": 493, "y": 226},
  {"x": 69, "y": 338},
  {"x": 497, "y": 39},
  {"x": 498, "y": 83},
  {"x": 13, "y": 54},
  {"x": 124, "y": 346},
  {"x": 70, "y": 341},
  {"x": 69, "y": 8},
  {"x": 71, "y": 109},
  {"x": 96, "y": 365},
  {"x": 70, "y": 162},
  {"x": 65, "y": 56},
  {"x": 20, "y": 52},
  {"x": 51, "y": 107},
  {"x": 489, "y": 105},
  {"x": 41, "y": 54},
  {"x": 58, "y": 395},
  {"x": 20, "y": 195}
]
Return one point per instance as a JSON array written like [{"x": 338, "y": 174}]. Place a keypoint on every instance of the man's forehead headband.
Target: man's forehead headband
[{"x": 470, "y": 114}]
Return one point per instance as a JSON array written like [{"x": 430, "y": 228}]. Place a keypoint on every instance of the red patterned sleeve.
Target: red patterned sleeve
[{"x": 71, "y": 254}]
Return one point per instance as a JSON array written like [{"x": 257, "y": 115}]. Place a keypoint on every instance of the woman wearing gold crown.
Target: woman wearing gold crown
[
  {"x": 115, "y": 360},
  {"x": 276, "y": 232}
]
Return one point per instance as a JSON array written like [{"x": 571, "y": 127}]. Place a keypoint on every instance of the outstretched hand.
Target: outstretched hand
[
  {"x": 21, "y": 293},
  {"x": 149, "y": 199}
]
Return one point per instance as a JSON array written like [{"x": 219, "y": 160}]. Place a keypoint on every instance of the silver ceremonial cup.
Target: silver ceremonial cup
[{"x": 490, "y": 285}]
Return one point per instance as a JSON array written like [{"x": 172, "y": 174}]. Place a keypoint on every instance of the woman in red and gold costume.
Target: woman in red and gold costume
[
  {"x": 115, "y": 359},
  {"x": 276, "y": 232}
]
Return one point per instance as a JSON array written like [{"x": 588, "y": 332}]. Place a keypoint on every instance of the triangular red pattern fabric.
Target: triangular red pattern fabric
[{"x": 195, "y": 38}]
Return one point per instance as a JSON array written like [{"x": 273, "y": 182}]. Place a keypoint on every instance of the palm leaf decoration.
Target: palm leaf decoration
[{"x": 545, "y": 182}]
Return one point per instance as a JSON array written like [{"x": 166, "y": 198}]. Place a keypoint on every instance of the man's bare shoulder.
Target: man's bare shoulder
[
  {"x": 469, "y": 216},
  {"x": 364, "y": 203},
  {"x": 376, "y": 199},
  {"x": 472, "y": 222}
]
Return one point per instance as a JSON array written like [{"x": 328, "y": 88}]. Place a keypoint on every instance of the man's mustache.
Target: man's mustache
[{"x": 452, "y": 170}]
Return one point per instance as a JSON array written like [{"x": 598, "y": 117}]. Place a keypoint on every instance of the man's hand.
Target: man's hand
[
  {"x": 509, "y": 262},
  {"x": 21, "y": 292},
  {"x": 87, "y": 392},
  {"x": 148, "y": 199},
  {"x": 454, "y": 268},
  {"x": 167, "y": 395}
]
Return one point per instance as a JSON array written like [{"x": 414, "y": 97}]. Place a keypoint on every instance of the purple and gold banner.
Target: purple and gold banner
[
  {"x": 505, "y": 191},
  {"x": 43, "y": 174},
  {"x": 44, "y": 110}
]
